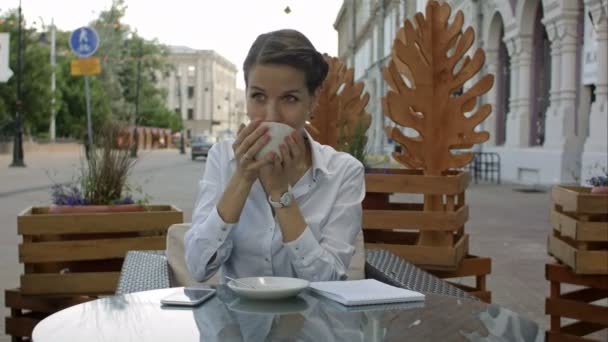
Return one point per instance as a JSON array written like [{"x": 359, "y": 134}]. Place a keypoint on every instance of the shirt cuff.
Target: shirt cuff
[
  {"x": 305, "y": 249},
  {"x": 224, "y": 229}
]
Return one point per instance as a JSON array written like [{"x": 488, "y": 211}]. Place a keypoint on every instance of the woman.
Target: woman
[{"x": 293, "y": 215}]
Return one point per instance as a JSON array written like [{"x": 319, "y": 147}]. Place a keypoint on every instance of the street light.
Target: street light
[
  {"x": 43, "y": 39},
  {"x": 229, "y": 99},
  {"x": 182, "y": 143},
  {"x": 18, "y": 140},
  {"x": 137, "y": 87}
]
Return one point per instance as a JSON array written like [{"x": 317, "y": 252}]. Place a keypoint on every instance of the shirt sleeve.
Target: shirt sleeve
[
  {"x": 208, "y": 235},
  {"x": 328, "y": 258}
]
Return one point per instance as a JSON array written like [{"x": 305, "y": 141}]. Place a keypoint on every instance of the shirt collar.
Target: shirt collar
[{"x": 319, "y": 162}]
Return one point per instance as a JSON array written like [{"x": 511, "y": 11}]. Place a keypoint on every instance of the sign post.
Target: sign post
[{"x": 84, "y": 42}]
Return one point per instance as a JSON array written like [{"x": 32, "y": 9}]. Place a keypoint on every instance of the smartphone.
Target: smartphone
[{"x": 188, "y": 296}]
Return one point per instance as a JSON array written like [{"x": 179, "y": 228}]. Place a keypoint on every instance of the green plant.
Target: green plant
[{"x": 356, "y": 147}]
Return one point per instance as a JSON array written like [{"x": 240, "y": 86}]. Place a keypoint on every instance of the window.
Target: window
[
  {"x": 178, "y": 111},
  {"x": 190, "y": 92},
  {"x": 190, "y": 114},
  {"x": 188, "y": 134}
]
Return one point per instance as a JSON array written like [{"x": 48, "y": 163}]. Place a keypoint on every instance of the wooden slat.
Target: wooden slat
[
  {"x": 554, "y": 336},
  {"x": 579, "y": 199},
  {"x": 469, "y": 266},
  {"x": 586, "y": 295},
  {"x": 581, "y": 261},
  {"x": 14, "y": 299},
  {"x": 416, "y": 183},
  {"x": 20, "y": 326},
  {"x": 93, "y": 223},
  {"x": 579, "y": 230},
  {"x": 71, "y": 283},
  {"x": 485, "y": 296},
  {"x": 428, "y": 256},
  {"x": 581, "y": 328},
  {"x": 577, "y": 310},
  {"x": 423, "y": 220},
  {"x": 77, "y": 250},
  {"x": 563, "y": 274}
]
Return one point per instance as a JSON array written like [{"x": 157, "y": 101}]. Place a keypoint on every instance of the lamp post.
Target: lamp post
[
  {"x": 137, "y": 88},
  {"x": 18, "y": 139},
  {"x": 229, "y": 99},
  {"x": 43, "y": 39},
  {"x": 182, "y": 142}
]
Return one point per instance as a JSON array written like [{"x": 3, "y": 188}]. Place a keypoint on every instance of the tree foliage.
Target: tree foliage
[{"x": 113, "y": 92}]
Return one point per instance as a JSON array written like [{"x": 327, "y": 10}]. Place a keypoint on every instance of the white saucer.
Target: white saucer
[
  {"x": 268, "y": 287},
  {"x": 281, "y": 307}
]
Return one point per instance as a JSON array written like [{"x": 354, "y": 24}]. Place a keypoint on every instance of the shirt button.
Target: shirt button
[
  {"x": 267, "y": 260},
  {"x": 223, "y": 229}
]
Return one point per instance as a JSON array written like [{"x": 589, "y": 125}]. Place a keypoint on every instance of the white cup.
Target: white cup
[{"x": 277, "y": 132}]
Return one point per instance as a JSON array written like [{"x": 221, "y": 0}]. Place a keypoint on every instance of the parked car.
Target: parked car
[{"x": 200, "y": 146}]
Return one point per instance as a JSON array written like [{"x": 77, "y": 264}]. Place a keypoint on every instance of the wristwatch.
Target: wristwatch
[{"x": 284, "y": 201}]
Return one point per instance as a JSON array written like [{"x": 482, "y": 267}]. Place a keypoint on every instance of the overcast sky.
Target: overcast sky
[{"x": 226, "y": 26}]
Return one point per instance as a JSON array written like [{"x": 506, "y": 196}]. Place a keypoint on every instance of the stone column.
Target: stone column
[
  {"x": 560, "y": 124},
  {"x": 554, "y": 105},
  {"x": 514, "y": 76},
  {"x": 598, "y": 118},
  {"x": 518, "y": 124},
  {"x": 489, "y": 124}
]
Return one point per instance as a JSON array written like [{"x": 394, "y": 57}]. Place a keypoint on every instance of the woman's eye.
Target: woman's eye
[
  {"x": 258, "y": 96},
  {"x": 291, "y": 98}
]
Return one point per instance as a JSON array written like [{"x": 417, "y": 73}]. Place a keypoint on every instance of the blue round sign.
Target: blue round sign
[{"x": 84, "y": 41}]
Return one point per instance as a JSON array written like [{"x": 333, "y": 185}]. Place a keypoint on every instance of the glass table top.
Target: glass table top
[{"x": 307, "y": 317}]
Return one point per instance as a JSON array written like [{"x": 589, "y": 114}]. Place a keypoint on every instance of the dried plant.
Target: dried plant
[
  {"x": 426, "y": 74},
  {"x": 340, "y": 120}
]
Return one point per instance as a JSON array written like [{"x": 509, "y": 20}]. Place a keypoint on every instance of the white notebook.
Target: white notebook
[{"x": 364, "y": 292}]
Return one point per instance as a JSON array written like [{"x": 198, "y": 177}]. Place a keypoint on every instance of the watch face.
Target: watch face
[{"x": 286, "y": 199}]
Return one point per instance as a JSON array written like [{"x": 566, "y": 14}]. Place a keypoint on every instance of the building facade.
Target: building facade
[
  {"x": 202, "y": 89},
  {"x": 549, "y": 57}
]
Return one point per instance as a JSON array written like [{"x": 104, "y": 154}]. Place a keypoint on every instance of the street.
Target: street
[{"x": 508, "y": 226}]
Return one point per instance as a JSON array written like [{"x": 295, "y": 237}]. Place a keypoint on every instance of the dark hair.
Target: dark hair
[{"x": 288, "y": 47}]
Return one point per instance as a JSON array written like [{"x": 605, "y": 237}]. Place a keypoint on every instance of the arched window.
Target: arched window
[
  {"x": 541, "y": 79},
  {"x": 503, "y": 87}
]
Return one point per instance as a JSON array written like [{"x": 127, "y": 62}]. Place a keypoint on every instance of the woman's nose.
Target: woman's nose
[{"x": 272, "y": 111}]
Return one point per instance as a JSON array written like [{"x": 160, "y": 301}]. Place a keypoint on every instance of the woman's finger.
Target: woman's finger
[
  {"x": 258, "y": 145},
  {"x": 246, "y": 144},
  {"x": 295, "y": 151},
  {"x": 258, "y": 164},
  {"x": 245, "y": 132}
]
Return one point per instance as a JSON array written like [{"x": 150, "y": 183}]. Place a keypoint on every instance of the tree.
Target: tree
[{"x": 36, "y": 78}]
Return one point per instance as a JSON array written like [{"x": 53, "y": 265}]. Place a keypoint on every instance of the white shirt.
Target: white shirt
[{"x": 329, "y": 197}]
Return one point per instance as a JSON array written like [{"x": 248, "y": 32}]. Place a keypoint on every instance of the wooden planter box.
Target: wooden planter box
[
  {"x": 27, "y": 311},
  {"x": 396, "y": 226},
  {"x": 576, "y": 304},
  {"x": 580, "y": 229},
  {"x": 82, "y": 254}
]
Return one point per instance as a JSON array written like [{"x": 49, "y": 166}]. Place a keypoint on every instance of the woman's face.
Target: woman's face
[{"x": 278, "y": 93}]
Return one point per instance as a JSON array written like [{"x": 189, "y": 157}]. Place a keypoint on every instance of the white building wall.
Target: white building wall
[
  {"x": 213, "y": 81},
  {"x": 571, "y": 146}
]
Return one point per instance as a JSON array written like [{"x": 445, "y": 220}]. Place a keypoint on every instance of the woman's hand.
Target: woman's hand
[
  {"x": 288, "y": 169},
  {"x": 250, "y": 140}
]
